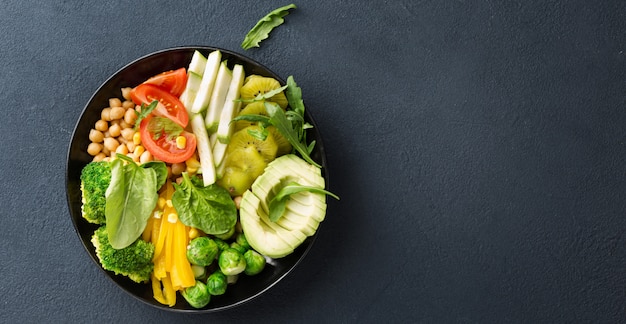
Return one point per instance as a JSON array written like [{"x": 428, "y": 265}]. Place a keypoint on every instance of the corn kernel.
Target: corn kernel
[
  {"x": 172, "y": 218},
  {"x": 139, "y": 150},
  {"x": 181, "y": 142},
  {"x": 192, "y": 165},
  {"x": 193, "y": 233},
  {"x": 169, "y": 203},
  {"x": 161, "y": 202},
  {"x": 157, "y": 214},
  {"x": 137, "y": 138}
]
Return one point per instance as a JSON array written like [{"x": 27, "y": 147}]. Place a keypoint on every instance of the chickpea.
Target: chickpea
[
  {"x": 117, "y": 113},
  {"x": 94, "y": 148},
  {"x": 102, "y": 125},
  {"x": 146, "y": 156},
  {"x": 122, "y": 140},
  {"x": 178, "y": 168},
  {"x": 106, "y": 151},
  {"x": 126, "y": 93},
  {"x": 99, "y": 157},
  {"x": 128, "y": 104},
  {"x": 237, "y": 201},
  {"x": 128, "y": 133},
  {"x": 133, "y": 156},
  {"x": 122, "y": 149},
  {"x": 115, "y": 130},
  {"x": 96, "y": 136},
  {"x": 111, "y": 144},
  {"x": 130, "y": 116},
  {"x": 106, "y": 114},
  {"x": 131, "y": 146},
  {"x": 115, "y": 102},
  {"x": 124, "y": 124}
]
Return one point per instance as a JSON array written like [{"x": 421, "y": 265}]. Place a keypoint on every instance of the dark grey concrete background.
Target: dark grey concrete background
[{"x": 478, "y": 147}]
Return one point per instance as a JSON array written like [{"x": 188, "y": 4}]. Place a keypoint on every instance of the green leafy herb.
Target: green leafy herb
[
  {"x": 163, "y": 125},
  {"x": 263, "y": 27},
  {"x": 296, "y": 114},
  {"x": 210, "y": 208},
  {"x": 160, "y": 169},
  {"x": 130, "y": 200},
  {"x": 284, "y": 126},
  {"x": 145, "y": 111},
  {"x": 278, "y": 204}
]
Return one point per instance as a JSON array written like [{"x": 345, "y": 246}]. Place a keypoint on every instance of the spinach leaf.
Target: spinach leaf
[
  {"x": 264, "y": 26},
  {"x": 161, "y": 171},
  {"x": 130, "y": 200},
  {"x": 210, "y": 208},
  {"x": 278, "y": 204}
]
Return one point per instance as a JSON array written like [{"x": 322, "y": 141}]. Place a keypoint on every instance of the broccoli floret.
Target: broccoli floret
[
  {"x": 94, "y": 181},
  {"x": 134, "y": 261}
]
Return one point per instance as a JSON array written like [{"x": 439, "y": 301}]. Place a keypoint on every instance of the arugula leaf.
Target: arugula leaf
[
  {"x": 130, "y": 200},
  {"x": 263, "y": 27},
  {"x": 145, "y": 111},
  {"x": 263, "y": 96},
  {"x": 278, "y": 204},
  {"x": 210, "y": 208},
  {"x": 160, "y": 125},
  {"x": 284, "y": 126}
]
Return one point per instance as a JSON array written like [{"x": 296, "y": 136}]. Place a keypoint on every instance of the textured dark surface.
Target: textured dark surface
[{"x": 478, "y": 147}]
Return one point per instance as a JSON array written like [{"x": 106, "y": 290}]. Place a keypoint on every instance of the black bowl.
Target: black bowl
[{"x": 247, "y": 287}]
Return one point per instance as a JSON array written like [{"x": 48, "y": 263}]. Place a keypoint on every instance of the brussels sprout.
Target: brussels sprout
[
  {"x": 217, "y": 283},
  {"x": 238, "y": 247},
  {"x": 221, "y": 245},
  {"x": 197, "y": 295},
  {"x": 202, "y": 251},
  {"x": 255, "y": 262},
  {"x": 226, "y": 235},
  {"x": 241, "y": 240},
  {"x": 231, "y": 262}
]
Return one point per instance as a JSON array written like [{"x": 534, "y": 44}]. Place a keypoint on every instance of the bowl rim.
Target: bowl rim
[{"x": 72, "y": 208}]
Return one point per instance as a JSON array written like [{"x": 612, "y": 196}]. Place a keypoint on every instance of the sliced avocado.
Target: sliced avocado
[{"x": 303, "y": 211}]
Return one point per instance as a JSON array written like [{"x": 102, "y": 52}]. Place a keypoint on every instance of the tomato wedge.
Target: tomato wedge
[
  {"x": 169, "y": 106},
  {"x": 162, "y": 146},
  {"x": 173, "y": 81}
]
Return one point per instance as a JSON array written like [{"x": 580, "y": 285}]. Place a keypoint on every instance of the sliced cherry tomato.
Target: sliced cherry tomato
[
  {"x": 162, "y": 146},
  {"x": 169, "y": 106},
  {"x": 173, "y": 81}
]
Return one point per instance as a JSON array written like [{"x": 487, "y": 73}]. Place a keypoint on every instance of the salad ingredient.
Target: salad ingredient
[
  {"x": 229, "y": 111},
  {"x": 173, "y": 81},
  {"x": 197, "y": 295},
  {"x": 133, "y": 261},
  {"x": 194, "y": 79},
  {"x": 258, "y": 108},
  {"x": 217, "y": 283},
  {"x": 202, "y": 251},
  {"x": 278, "y": 204},
  {"x": 168, "y": 105},
  {"x": 94, "y": 181},
  {"x": 218, "y": 97},
  {"x": 225, "y": 236},
  {"x": 199, "y": 272},
  {"x": 256, "y": 86},
  {"x": 205, "y": 91},
  {"x": 205, "y": 152},
  {"x": 207, "y": 208},
  {"x": 255, "y": 263},
  {"x": 242, "y": 241},
  {"x": 303, "y": 211},
  {"x": 160, "y": 136},
  {"x": 231, "y": 262},
  {"x": 130, "y": 199},
  {"x": 172, "y": 269},
  {"x": 247, "y": 140},
  {"x": 264, "y": 26}
]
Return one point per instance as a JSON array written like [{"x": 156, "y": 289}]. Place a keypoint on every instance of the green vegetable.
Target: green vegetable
[
  {"x": 199, "y": 272},
  {"x": 133, "y": 261},
  {"x": 144, "y": 112},
  {"x": 202, "y": 251},
  {"x": 161, "y": 171},
  {"x": 242, "y": 241},
  {"x": 279, "y": 202},
  {"x": 209, "y": 209},
  {"x": 231, "y": 262},
  {"x": 94, "y": 181},
  {"x": 296, "y": 114},
  {"x": 227, "y": 235},
  {"x": 236, "y": 246},
  {"x": 255, "y": 263},
  {"x": 197, "y": 295},
  {"x": 263, "y": 27},
  {"x": 163, "y": 125},
  {"x": 217, "y": 283},
  {"x": 221, "y": 244},
  {"x": 130, "y": 200}
]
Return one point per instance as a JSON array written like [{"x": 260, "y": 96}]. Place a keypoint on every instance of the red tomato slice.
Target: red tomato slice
[
  {"x": 163, "y": 148},
  {"x": 173, "y": 81},
  {"x": 169, "y": 106}
]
